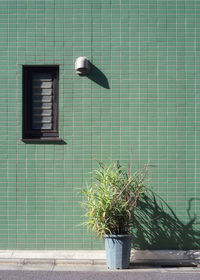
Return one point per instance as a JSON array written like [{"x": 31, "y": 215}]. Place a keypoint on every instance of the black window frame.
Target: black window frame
[{"x": 28, "y": 133}]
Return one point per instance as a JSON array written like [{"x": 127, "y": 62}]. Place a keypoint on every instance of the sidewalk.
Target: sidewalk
[{"x": 92, "y": 261}]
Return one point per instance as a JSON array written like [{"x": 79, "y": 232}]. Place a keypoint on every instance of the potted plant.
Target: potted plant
[{"x": 111, "y": 199}]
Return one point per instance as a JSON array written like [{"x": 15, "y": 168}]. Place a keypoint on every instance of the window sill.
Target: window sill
[{"x": 43, "y": 140}]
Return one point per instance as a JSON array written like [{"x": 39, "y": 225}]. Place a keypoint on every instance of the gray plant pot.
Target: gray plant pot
[{"x": 118, "y": 249}]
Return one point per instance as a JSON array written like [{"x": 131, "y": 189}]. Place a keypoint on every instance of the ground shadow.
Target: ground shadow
[
  {"x": 156, "y": 226},
  {"x": 97, "y": 76}
]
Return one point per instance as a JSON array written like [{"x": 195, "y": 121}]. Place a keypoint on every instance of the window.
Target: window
[{"x": 40, "y": 103}]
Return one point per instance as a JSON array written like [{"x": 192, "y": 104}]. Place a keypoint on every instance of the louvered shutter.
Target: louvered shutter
[{"x": 42, "y": 101}]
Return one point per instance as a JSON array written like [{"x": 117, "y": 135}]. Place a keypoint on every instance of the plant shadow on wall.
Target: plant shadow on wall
[
  {"x": 156, "y": 226},
  {"x": 97, "y": 76}
]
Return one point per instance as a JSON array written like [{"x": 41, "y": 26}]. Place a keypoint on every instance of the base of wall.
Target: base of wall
[{"x": 95, "y": 257}]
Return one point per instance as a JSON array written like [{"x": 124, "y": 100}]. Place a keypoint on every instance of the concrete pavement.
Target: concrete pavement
[{"x": 95, "y": 261}]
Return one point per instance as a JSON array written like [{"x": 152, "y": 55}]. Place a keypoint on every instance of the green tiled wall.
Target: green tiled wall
[{"x": 142, "y": 104}]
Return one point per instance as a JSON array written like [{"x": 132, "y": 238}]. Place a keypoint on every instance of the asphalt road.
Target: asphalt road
[{"x": 119, "y": 275}]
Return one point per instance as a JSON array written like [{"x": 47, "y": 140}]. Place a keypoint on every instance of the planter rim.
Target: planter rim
[{"x": 118, "y": 235}]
